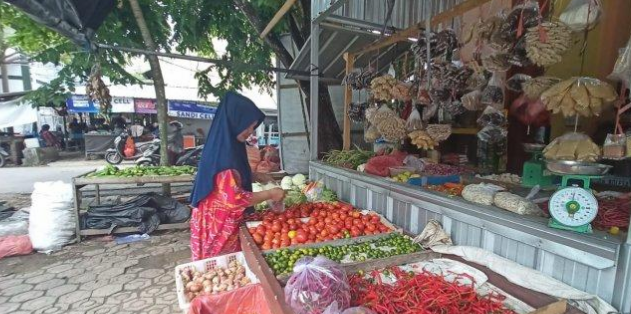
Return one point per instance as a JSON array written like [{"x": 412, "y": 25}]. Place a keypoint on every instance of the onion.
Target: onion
[
  {"x": 196, "y": 288},
  {"x": 189, "y": 285},
  {"x": 206, "y": 283}
]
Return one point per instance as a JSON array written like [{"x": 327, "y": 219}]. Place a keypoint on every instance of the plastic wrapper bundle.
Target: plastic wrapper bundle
[
  {"x": 615, "y": 146},
  {"x": 492, "y": 144},
  {"x": 480, "y": 193},
  {"x": 52, "y": 221},
  {"x": 580, "y": 15},
  {"x": 315, "y": 284},
  {"x": 245, "y": 300},
  {"x": 515, "y": 82},
  {"x": 15, "y": 245},
  {"x": 493, "y": 93},
  {"x": 491, "y": 116},
  {"x": 16, "y": 224},
  {"x": 471, "y": 100},
  {"x": 414, "y": 162},
  {"x": 572, "y": 146},
  {"x": 622, "y": 69},
  {"x": 414, "y": 121},
  {"x": 516, "y": 204}
]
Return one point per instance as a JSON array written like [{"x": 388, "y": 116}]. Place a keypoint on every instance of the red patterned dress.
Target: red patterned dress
[{"x": 215, "y": 222}]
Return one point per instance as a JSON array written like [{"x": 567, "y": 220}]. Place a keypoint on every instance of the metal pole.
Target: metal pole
[
  {"x": 315, "y": 88},
  {"x": 227, "y": 63}
]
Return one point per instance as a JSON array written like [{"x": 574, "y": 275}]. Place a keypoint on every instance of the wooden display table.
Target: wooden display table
[{"x": 82, "y": 181}]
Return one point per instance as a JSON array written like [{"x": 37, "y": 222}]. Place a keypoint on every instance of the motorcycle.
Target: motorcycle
[
  {"x": 189, "y": 157},
  {"x": 116, "y": 155},
  {"x": 4, "y": 156}
]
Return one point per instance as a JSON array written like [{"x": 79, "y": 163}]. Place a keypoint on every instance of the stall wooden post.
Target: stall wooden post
[{"x": 348, "y": 98}]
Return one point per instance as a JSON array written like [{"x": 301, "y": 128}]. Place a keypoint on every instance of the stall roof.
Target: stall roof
[
  {"x": 75, "y": 19},
  {"x": 16, "y": 112},
  {"x": 335, "y": 40}
]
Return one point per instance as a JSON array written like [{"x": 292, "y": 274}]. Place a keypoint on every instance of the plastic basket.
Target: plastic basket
[{"x": 205, "y": 265}]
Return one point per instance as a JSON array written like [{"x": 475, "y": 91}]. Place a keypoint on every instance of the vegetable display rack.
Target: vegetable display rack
[{"x": 83, "y": 180}]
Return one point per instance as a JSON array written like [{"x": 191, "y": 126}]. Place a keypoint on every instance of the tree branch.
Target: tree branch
[{"x": 271, "y": 39}]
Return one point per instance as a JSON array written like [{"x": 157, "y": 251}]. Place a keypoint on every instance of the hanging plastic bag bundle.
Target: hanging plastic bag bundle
[
  {"x": 414, "y": 121},
  {"x": 580, "y": 15},
  {"x": 315, "y": 284},
  {"x": 622, "y": 69},
  {"x": 493, "y": 93}
]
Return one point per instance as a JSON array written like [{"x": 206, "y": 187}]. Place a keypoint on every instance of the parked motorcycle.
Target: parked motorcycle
[
  {"x": 189, "y": 157},
  {"x": 4, "y": 156},
  {"x": 116, "y": 155}
]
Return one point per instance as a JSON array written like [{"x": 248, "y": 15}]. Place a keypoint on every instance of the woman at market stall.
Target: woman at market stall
[{"x": 222, "y": 190}]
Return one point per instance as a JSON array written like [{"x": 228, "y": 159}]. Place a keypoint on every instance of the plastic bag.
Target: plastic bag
[
  {"x": 580, "y": 15},
  {"x": 471, "y": 100},
  {"x": 516, "y": 204},
  {"x": 15, "y": 245},
  {"x": 335, "y": 309},
  {"x": 245, "y": 300},
  {"x": 52, "y": 221},
  {"x": 615, "y": 146},
  {"x": 414, "y": 162},
  {"x": 414, "y": 121},
  {"x": 16, "y": 224},
  {"x": 491, "y": 116},
  {"x": 515, "y": 83},
  {"x": 480, "y": 193},
  {"x": 493, "y": 93},
  {"x": 572, "y": 146},
  {"x": 315, "y": 284},
  {"x": 492, "y": 134},
  {"x": 130, "y": 147},
  {"x": 622, "y": 69}
]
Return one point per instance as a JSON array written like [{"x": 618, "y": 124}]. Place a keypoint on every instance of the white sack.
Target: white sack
[{"x": 51, "y": 222}]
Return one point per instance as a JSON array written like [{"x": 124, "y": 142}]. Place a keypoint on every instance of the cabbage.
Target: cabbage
[
  {"x": 257, "y": 187},
  {"x": 286, "y": 183},
  {"x": 299, "y": 179}
]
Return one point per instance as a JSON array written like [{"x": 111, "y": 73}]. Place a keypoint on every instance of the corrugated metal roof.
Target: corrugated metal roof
[{"x": 334, "y": 42}]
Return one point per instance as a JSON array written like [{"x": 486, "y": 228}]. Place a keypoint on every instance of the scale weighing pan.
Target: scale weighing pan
[
  {"x": 570, "y": 167},
  {"x": 533, "y": 147}
]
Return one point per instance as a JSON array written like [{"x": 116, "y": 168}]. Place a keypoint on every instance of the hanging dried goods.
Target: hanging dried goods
[
  {"x": 579, "y": 95},
  {"x": 520, "y": 18},
  {"x": 439, "y": 132},
  {"x": 497, "y": 62},
  {"x": 371, "y": 134},
  {"x": 546, "y": 43},
  {"x": 450, "y": 76},
  {"x": 392, "y": 129},
  {"x": 359, "y": 78},
  {"x": 414, "y": 121},
  {"x": 422, "y": 140},
  {"x": 401, "y": 91},
  {"x": 580, "y": 15},
  {"x": 517, "y": 81},
  {"x": 357, "y": 112},
  {"x": 381, "y": 87},
  {"x": 471, "y": 100},
  {"x": 441, "y": 44},
  {"x": 96, "y": 89},
  {"x": 534, "y": 87}
]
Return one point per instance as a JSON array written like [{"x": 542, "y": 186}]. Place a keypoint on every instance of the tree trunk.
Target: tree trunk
[
  {"x": 158, "y": 81},
  {"x": 329, "y": 132}
]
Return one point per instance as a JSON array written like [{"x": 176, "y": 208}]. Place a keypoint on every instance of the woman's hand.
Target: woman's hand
[{"x": 277, "y": 194}]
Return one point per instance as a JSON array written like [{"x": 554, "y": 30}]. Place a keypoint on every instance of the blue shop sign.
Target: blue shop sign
[
  {"x": 191, "y": 110},
  {"x": 81, "y": 103}
]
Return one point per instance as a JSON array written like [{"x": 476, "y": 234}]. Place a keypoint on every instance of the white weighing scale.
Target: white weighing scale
[{"x": 573, "y": 207}]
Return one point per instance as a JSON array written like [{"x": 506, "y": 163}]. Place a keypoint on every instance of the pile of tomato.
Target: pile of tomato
[{"x": 325, "y": 222}]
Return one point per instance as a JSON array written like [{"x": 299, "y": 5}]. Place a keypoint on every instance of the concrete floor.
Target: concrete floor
[
  {"x": 21, "y": 179},
  {"x": 96, "y": 276}
]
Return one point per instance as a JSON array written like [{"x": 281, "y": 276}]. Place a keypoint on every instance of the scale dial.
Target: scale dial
[{"x": 573, "y": 206}]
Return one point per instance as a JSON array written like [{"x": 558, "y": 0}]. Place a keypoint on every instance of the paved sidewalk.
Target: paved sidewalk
[{"x": 96, "y": 276}]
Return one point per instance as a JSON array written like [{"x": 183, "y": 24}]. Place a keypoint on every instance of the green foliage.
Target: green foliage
[{"x": 185, "y": 26}]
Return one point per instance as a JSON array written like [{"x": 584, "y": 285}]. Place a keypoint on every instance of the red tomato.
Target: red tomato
[
  {"x": 323, "y": 214},
  {"x": 275, "y": 241},
  {"x": 365, "y": 218},
  {"x": 335, "y": 215},
  {"x": 324, "y": 233},
  {"x": 355, "y": 232},
  {"x": 261, "y": 229},
  {"x": 320, "y": 225},
  {"x": 368, "y": 232},
  {"x": 356, "y": 214},
  {"x": 276, "y": 246},
  {"x": 375, "y": 219},
  {"x": 252, "y": 230},
  {"x": 309, "y": 241},
  {"x": 370, "y": 227},
  {"x": 333, "y": 229},
  {"x": 357, "y": 222},
  {"x": 266, "y": 246},
  {"x": 285, "y": 243},
  {"x": 295, "y": 241},
  {"x": 301, "y": 238},
  {"x": 328, "y": 220},
  {"x": 258, "y": 239},
  {"x": 281, "y": 218},
  {"x": 276, "y": 227},
  {"x": 343, "y": 216}
]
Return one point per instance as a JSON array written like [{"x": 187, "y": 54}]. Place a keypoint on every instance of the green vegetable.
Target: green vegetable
[
  {"x": 348, "y": 158},
  {"x": 282, "y": 261},
  {"x": 112, "y": 171}
]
